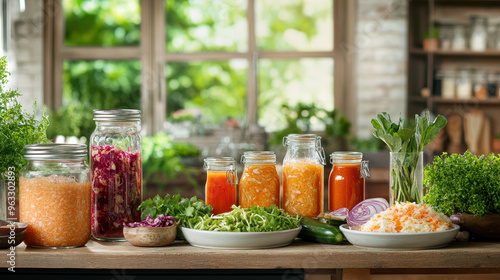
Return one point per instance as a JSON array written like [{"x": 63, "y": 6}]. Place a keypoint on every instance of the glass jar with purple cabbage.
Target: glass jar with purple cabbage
[{"x": 116, "y": 166}]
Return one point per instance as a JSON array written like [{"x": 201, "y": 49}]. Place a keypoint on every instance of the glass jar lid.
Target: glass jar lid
[
  {"x": 258, "y": 157},
  {"x": 302, "y": 138},
  {"x": 121, "y": 115},
  {"x": 219, "y": 163},
  {"x": 55, "y": 152},
  {"x": 346, "y": 157}
]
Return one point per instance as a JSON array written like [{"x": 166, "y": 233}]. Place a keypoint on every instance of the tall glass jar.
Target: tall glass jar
[
  {"x": 479, "y": 34},
  {"x": 260, "y": 183},
  {"x": 54, "y": 195},
  {"x": 221, "y": 185},
  {"x": 346, "y": 184},
  {"x": 464, "y": 84},
  {"x": 116, "y": 164},
  {"x": 303, "y": 175},
  {"x": 459, "y": 42}
]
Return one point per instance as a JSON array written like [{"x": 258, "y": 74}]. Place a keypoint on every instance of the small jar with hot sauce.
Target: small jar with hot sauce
[
  {"x": 346, "y": 185},
  {"x": 259, "y": 183},
  {"x": 222, "y": 181}
]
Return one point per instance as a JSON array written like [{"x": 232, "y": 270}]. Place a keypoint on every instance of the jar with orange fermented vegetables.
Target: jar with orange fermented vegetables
[
  {"x": 346, "y": 184},
  {"x": 54, "y": 196},
  {"x": 303, "y": 175},
  {"x": 222, "y": 181},
  {"x": 259, "y": 183}
]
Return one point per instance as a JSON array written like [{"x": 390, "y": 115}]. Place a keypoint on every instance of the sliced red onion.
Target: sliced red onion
[
  {"x": 340, "y": 213},
  {"x": 363, "y": 211},
  {"x": 456, "y": 219},
  {"x": 160, "y": 221}
]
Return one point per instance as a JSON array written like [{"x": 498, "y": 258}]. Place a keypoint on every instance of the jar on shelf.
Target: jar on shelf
[
  {"x": 479, "y": 34},
  {"x": 448, "y": 84},
  {"x": 346, "y": 184},
  {"x": 259, "y": 183},
  {"x": 116, "y": 165},
  {"x": 480, "y": 86},
  {"x": 221, "y": 185},
  {"x": 54, "y": 195},
  {"x": 445, "y": 36},
  {"x": 493, "y": 80},
  {"x": 303, "y": 175},
  {"x": 464, "y": 84},
  {"x": 459, "y": 42},
  {"x": 497, "y": 36}
]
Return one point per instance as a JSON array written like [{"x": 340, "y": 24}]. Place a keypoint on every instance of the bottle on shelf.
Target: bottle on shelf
[
  {"x": 464, "y": 84},
  {"x": 479, "y": 34},
  {"x": 459, "y": 42},
  {"x": 480, "y": 85}
]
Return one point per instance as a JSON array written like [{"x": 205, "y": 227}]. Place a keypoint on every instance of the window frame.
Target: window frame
[{"x": 154, "y": 56}]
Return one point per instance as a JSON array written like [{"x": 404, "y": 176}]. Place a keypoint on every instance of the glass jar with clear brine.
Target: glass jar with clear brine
[
  {"x": 116, "y": 165},
  {"x": 303, "y": 175},
  {"x": 54, "y": 195}
]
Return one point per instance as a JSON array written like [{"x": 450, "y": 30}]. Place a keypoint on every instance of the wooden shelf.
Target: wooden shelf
[
  {"x": 465, "y": 53},
  {"x": 440, "y": 100}
]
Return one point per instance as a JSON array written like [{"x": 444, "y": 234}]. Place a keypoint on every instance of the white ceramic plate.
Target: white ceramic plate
[
  {"x": 399, "y": 241},
  {"x": 239, "y": 240}
]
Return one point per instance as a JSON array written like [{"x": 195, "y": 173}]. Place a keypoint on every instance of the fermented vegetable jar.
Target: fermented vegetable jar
[
  {"x": 222, "y": 179},
  {"x": 116, "y": 164},
  {"x": 54, "y": 195},
  {"x": 259, "y": 183},
  {"x": 346, "y": 184},
  {"x": 303, "y": 173}
]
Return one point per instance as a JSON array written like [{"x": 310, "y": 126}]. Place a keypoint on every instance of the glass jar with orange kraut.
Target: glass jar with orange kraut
[
  {"x": 259, "y": 183},
  {"x": 54, "y": 195},
  {"x": 303, "y": 175},
  {"x": 346, "y": 184},
  {"x": 221, "y": 185}
]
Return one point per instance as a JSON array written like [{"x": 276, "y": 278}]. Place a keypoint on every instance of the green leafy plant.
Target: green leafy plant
[
  {"x": 465, "y": 183},
  {"x": 299, "y": 118},
  {"x": 161, "y": 160},
  {"x": 189, "y": 211},
  {"x": 408, "y": 142},
  {"x": 371, "y": 144},
  {"x": 17, "y": 128}
]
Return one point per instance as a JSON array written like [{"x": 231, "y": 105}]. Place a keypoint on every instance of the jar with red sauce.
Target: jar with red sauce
[
  {"x": 222, "y": 181},
  {"x": 346, "y": 184},
  {"x": 303, "y": 175}
]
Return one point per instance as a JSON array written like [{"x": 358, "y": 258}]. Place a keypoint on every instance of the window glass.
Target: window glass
[
  {"x": 102, "y": 22},
  {"x": 209, "y": 91},
  {"x": 201, "y": 25},
  {"x": 290, "y": 82},
  {"x": 98, "y": 84},
  {"x": 294, "y": 25}
]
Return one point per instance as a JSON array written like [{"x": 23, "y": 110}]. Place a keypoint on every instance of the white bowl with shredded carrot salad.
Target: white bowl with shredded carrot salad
[
  {"x": 408, "y": 218},
  {"x": 405, "y": 226}
]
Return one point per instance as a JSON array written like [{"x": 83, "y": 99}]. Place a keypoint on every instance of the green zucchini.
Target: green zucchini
[
  {"x": 332, "y": 221},
  {"x": 316, "y": 231}
]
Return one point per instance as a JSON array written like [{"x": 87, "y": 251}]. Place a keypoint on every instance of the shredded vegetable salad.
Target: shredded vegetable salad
[
  {"x": 255, "y": 219},
  {"x": 408, "y": 218}
]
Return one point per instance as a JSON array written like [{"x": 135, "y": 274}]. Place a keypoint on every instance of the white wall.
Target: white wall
[
  {"x": 25, "y": 51},
  {"x": 380, "y": 61}
]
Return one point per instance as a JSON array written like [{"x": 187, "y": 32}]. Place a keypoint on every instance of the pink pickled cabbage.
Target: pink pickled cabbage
[
  {"x": 116, "y": 190},
  {"x": 160, "y": 221}
]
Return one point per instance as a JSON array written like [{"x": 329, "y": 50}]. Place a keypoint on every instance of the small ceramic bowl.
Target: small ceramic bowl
[
  {"x": 150, "y": 236},
  {"x": 5, "y": 233}
]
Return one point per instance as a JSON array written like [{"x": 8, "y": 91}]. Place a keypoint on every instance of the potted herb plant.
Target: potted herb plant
[
  {"x": 467, "y": 188},
  {"x": 17, "y": 129}
]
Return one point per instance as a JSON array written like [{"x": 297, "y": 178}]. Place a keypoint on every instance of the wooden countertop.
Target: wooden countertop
[{"x": 300, "y": 254}]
